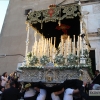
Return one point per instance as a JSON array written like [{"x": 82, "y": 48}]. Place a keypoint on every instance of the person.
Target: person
[
  {"x": 4, "y": 79},
  {"x": 42, "y": 93},
  {"x": 68, "y": 87},
  {"x": 7, "y": 85},
  {"x": 68, "y": 94},
  {"x": 1, "y": 87},
  {"x": 10, "y": 93},
  {"x": 13, "y": 77},
  {"x": 96, "y": 81},
  {"x": 29, "y": 92}
]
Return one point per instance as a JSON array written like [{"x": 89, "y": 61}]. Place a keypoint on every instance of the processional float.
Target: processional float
[{"x": 62, "y": 52}]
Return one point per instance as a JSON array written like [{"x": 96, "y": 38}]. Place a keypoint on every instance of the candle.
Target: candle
[
  {"x": 54, "y": 45},
  {"x": 54, "y": 41},
  {"x": 41, "y": 47},
  {"x": 36, "y": 49},
  {"x": 77, "y": 48},
  {"x": 74, "y": 46},
  {"x": 65, "y": 49},
  {"x": 45, "y": 47},
  {"x": 51, "y": 48},
  {"x": 68, "y": 45},
  {"x": 80, "y": 44},
  {"x": 62, "y": 46}
]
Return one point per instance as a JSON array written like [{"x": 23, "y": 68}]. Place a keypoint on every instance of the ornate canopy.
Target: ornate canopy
[{"x": 56, "y": 21}]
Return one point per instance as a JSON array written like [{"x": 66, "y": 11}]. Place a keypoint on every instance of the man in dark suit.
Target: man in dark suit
[
  {"x": 10, "y": 93},
  {"x": 96, "y": 81},
  {"x": 68, "y": 87}
]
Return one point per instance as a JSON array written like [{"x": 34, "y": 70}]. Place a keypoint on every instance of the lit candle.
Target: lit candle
[
  {"x": 45, "y": 47},
  {"x": 32, "y": 50},
  {"x": 49, "y": 47},
  {"x": 74, "y": 46},
  {"x": 65, "y": 49},
  {"x": 68, "y": 46},
  {"x": 54, "y": 41},
  {"x": 80, "y": 44},
  {"x": 62, "y": 46},
  {"x": 36, "y": 48}
]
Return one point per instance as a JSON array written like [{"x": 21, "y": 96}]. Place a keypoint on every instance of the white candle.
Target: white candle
[
  {"x": 62, "y": 46},
  {"x": 65, "y": 49},
  {"x": 74, "y": 45},
  {"x": 54, "y": 41},
  {"x": 68, "y": 46},
  {"x": 36, "y": 49},
  {"x": 45, "y": 47},
  {"x": 77, "y": 48},
  {"x": 80, "y": 44},
  {"x": 49, "y": 47}
]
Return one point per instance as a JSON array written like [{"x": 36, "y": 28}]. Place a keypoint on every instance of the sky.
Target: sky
[{"x": 3, "y": 8}]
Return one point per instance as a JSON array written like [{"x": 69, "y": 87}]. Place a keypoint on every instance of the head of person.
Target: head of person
[
  {"x": 27, "y": 86},
  {"x": 36, "y": 87},
  {"x": 12, "y": 84},
  {"x": 4, "y": 74},
  {"x": 2, "y": 89},
  {"x": 96, "y": 72},
  {"x": 7, "y": 86}
]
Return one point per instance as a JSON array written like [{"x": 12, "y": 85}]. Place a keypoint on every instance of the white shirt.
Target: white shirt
[
  {"x": 30, "y": 93},
  {"x": 4, "y": 80},
  {"x": 41, "y": 95},
  {"x": 0, "y": 92}
]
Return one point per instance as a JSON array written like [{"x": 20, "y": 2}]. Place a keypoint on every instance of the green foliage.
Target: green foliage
[
  {"x": 59, "y": 59},
  {"x": 44, "y": 60}
]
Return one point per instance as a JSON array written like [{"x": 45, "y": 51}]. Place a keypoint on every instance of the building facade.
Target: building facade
[{"x": 13, "y": 34}]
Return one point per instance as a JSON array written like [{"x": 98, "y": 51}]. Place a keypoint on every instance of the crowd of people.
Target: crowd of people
[{"x": 74, "y": 89}]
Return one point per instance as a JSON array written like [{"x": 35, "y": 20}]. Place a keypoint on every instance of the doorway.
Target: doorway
[{"x": 93, "y": 60}]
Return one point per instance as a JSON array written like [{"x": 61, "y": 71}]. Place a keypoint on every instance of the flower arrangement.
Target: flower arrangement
[
  {"x": 44, "y": 60},
  {"x": 72, "y": 59},
  {"x": 31, "y": 60},
  {"x": 85, "y": 53},
  {"x": 59, "y": 59},
  {"x": 29, "y": 55}
]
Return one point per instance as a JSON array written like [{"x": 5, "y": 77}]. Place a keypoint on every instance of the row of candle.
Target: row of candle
[
  {"x": 45, "y": 47},
  {"x": 68, "y": 46}
]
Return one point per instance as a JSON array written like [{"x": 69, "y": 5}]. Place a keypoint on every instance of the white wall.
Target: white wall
[
  {"x": 93, "y": 18},
  {"x": 92, "y": 21}
]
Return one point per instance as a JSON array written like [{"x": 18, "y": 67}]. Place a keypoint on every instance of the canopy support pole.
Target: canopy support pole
[{"x": 27, "y": 40}]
